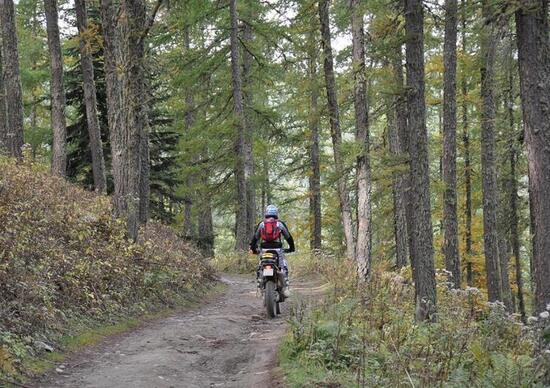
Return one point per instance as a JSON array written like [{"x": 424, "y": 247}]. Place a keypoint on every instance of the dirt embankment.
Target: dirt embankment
[{"x": 227, "y": 342}]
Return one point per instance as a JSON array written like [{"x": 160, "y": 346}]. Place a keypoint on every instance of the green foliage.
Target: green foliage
[
  {"x": 369, "y": 338},
  {"x": 65, "y": 259}
]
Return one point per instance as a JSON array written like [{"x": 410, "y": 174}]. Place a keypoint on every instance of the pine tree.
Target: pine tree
[
  {"x": 450, "y": 222},
  {"x": 336, "y": 133},
  {"x": 13, "y": 137},
  {"x": 534, "y": 70},
  {"x": 90, "y": 98},
  {"x": 59, "y": 155},
  {"x": 422, "y": 260}
]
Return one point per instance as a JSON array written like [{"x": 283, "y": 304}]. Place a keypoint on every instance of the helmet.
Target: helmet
[{"x": 272, "y": 211}]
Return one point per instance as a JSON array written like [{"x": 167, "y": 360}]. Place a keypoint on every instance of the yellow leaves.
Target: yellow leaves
[{"x": 6, "y": 362}]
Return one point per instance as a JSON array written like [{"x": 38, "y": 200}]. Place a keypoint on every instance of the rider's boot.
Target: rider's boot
[{"x": 286, "y": 290}]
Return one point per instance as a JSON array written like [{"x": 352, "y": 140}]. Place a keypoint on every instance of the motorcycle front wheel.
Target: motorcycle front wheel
[{"x": 271, "y": 298}]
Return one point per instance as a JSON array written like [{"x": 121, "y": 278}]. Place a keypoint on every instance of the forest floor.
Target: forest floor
[{"x": 226, "y": 342}]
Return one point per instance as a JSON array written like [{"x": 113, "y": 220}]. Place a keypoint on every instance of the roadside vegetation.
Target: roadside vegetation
[
  {"x": 367, "y": 336},
  {"x": 67, "y": 269}
]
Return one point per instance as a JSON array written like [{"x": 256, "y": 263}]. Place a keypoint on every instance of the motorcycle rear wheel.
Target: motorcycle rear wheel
[{"x": 270, "y": 299}]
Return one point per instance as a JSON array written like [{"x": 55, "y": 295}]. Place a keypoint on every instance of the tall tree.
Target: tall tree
[
  {"x": 12, "y": 80},
  {"x": 248, "y": 102},
  {"x": 397, "y": 123},
  {"x": 467, "y": 160},
  {"x": 335, "y": 131},
  {"x": 57, "y": 90},
  {"x": 513, "y": 185},
  {"x": 314, "y": 152},
  {"x": 241, "y": 231},
  {"x": 534, "y": 69},
  {"x": 90, "y": 98},
  {"x": 422, "y": 254},
  {"x": 450, "y": 222},
  {"x": 364, "y": 227},
  {"x": 188, "y": 224},
  {"x": 3, "y": 123},
  {"x": 489, "y": 183},
  {"x": 111, "y": 52},
  {"x": 133, "y": 92}
]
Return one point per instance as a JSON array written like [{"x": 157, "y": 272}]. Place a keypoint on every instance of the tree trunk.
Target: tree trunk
[
  {"x": 134, "y": 92},
  {"x": 467, "y": 162},
  {"x": 397, "y": 127},
  {"x": 241, "y": 215},
  {"x": 364, "y": 227},
  {"x": 3, "y": 124},
  {"x": 489, "y": 183},
  {"x": 314, "y": 154},
  {"x": 248, "y": 102},
  {"x": 422, "y": 253},
  {"x": 450, "y": 222},
  {"x": 111, "y": 51},
  {"x": 145, "y": 172},
  {"x": 503, "y": 233},
  {"x": 205, "y": 219},
  {"x": 189, "y": 120},
  {"x": 90, "y": 99},
  {"x": 12, "y": 81},
  {"x": 534, "y": 70},
  {"x": 513, "y": 190},
  {"x": 336, "y": 133},
  {"x": 206, "y": 226},
  {"x": 57, "y": 90}
]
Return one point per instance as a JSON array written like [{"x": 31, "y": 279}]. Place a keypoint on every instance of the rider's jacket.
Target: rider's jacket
[{"x": 272, "y": 244}]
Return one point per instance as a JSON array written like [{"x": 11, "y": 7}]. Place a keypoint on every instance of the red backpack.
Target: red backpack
[{"x": 270, "y": 232}]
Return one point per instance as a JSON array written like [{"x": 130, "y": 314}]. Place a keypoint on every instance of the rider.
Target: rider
[{"x": 269, "y": 231}]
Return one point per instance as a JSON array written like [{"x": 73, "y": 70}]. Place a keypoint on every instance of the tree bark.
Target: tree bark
[
  {"x": 12, "y": 81},
  {"x": 189, "y": 119},
  {"x": 248, "y": 102},
  {"x": 422, "y": 253},
  {"x": 145, "y": 172},
  {"x": 504, "y": 247},
  {"x": 336, "y": 133},
  {"x": 489, "y": 183},
  {"x": 397, "y": 128},
  {"x": 241, "y": 215},
  {"x": 513, "y": 190},
  {"x": 206, "y": 225},
  {"x": 450, "y": 222},
  {"x": 134, "y": 92},
  {"x": 364, "y": 218},
  {"x": 57, "y": 90},
  {"x": 314, "y": 153},
  {"x": 534, "y": 70},
  {"x": 467, "y": 162},
  {"x": 90, "y": 99},
  {"x": 111, "y": 51},
  {"x": 3, "y": 113}
]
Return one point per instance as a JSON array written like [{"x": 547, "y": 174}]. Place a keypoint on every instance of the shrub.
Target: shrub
[
  {"x": 64, "y": 258},
  {"x": 370, "y": 338}
]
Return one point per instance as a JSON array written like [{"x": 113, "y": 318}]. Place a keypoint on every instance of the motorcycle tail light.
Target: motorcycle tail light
[{"x": 268, "y": 267}]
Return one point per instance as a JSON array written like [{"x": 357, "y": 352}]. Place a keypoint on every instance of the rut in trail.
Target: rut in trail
[{"x": 227, "y": 342}]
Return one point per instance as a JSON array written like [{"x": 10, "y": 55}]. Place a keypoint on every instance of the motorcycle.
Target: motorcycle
[{"x": 271, "y": 281}]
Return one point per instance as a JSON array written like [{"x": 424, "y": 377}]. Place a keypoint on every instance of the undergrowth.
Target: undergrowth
[
  {"x": 369, "y": 338},
  {"x": 65, "y": 265},
  {"x": 300, "y": 264}
]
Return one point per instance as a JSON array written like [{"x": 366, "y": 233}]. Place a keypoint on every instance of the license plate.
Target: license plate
[{"x": 268, "y": 271}]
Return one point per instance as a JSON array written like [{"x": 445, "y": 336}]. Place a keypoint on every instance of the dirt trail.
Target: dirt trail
[{"x": 227, "y": 342}]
